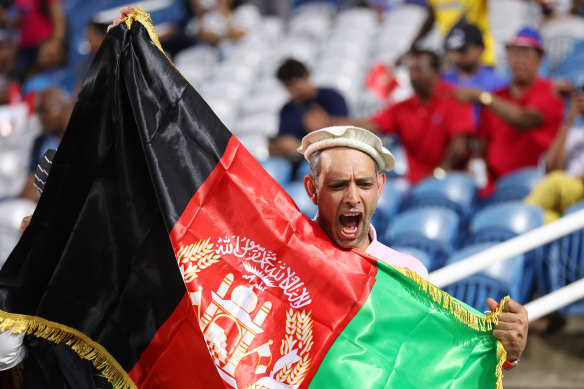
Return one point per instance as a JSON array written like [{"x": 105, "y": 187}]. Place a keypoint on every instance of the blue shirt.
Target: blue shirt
[
  {"x": 62, "y": 77},
  {"x": 292, "y": 112},
  {"x": 485, "y": 78},
  {"x": 40, "y": 146}
]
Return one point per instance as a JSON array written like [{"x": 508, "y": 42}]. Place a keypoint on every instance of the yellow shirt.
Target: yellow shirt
[{"x": 449, "y": 12}]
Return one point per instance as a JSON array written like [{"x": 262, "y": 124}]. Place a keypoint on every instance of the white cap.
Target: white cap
[{"x": 348, "y": 136}]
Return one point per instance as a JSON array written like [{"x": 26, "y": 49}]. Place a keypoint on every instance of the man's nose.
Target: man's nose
[{"x": 352, "y": 195}]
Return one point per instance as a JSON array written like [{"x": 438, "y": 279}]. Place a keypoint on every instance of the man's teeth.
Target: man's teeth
[
  {"x": 351, "y": 214},
  {"x": 350, "y": 230}
]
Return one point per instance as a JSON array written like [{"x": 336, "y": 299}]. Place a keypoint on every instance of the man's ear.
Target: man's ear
[
  {"x": 380, "y": 184},
  {"x": 310, "y": 187}
]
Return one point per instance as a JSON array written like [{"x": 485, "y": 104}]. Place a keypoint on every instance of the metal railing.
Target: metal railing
[{"x": 513, "y": 247}]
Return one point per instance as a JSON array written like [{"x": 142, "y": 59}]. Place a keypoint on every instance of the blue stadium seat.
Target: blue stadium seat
[
  {"x": 296, "y": 191},
  {"x": 564, "y": 264},
  {"x": 498, "y": 281},
  {"x": 457, "y": 191},
  {"x": 500, "y": 222},
  {"x": 503, "y": 221},
  {"x": 574, "y": 62},
  {"x": 423, "y": 256},
  {"x": 388, "y": 204},
  {"x": 514, "y": 186},
  {"x": 434, "y": 230},
  {"x": 279, "y": 168},
  {"x": 302, "y": 170}
]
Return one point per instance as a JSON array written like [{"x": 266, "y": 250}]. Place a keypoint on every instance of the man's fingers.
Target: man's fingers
[
  {"x": 513, "y": 307},
  {"x": 115, "y": 23},
  {"x": 124, "y": 11},
  {"x": 506, "y": 325},
  {"x": 492, "y": 304}
]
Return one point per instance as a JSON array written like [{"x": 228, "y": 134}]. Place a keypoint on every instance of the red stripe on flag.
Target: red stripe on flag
[{"x": 177, "y": 357}]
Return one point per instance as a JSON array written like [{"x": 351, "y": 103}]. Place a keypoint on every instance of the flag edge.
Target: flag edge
[{"x": 81, "y": 344}]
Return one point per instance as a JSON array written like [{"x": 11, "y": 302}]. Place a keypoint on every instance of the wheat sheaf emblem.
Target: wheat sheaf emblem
[
  {"x": 195, "y": 257},
  {"x": 298, "y": 334}
]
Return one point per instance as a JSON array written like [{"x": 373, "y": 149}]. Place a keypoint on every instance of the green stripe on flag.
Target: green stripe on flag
[{"x": 406, "y": 336}]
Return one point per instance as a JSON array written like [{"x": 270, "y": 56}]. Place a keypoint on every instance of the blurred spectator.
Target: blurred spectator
[
  {"x": 7, "y": 56},
  {"x": 447, "y": 13},
  {"x": 464, "y": 46},
  {"x": 49, "y": 71},
  {"x": 520, "y": 122},
  {"x": 95, "y": 34},
  {"x": 303, "y": 96},
  {"x": 223, "y": 20},
  {"x": 280, "y": 8},
  {"x": 177, "y": 36},
  {"x": 552, "y": 9},
  {"x": 42, "y": 25},
  {"x": 432, "y": 126},
  {"x": 53, "y": 107},
  {"x": 564, "y": 163}
]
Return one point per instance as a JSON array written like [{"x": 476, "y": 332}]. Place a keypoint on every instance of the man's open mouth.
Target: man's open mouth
[{"x": 350, "y": 222}]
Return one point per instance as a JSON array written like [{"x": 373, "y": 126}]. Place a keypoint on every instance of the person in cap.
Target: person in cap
[
  {"x": 295, "y": 77},
  {"x": 447, "y": 13},
  {"x": 433, "y": 127},
  {"x": 464, "y": 47},
  {"x": 519, "y": 122},
  {"x": 346, "y": 179}
]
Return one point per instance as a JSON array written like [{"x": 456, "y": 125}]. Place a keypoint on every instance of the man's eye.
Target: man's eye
[{"x": 366, "y": 185}]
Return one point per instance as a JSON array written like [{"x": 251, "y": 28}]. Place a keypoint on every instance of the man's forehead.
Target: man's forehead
[{"x": 345, "y": 158}]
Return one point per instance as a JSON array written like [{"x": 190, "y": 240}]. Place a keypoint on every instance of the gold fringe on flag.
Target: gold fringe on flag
[
  {"x": 77, "y": 341},
  {"x": 138, "y": 14}
]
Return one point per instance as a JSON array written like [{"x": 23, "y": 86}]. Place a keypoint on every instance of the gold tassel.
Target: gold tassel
[
  {"x": 77, "y": 341},
  {"x": 502, "y": 357},
  {"x": 139, "y": 15},
  {"x": 476, "y": 322}
]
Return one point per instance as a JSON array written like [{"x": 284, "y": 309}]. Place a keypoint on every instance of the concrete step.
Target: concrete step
[{"x": 551, "y": 360}]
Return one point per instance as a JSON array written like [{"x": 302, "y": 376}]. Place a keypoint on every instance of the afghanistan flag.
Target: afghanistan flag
[{"x": 163, "y": 253}]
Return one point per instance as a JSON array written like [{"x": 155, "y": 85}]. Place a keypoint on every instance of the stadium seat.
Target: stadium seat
[
  {"x": 9, "y": 237},
  {"x": 503, "y": 221},
  {"x": 434, "y": 230},
  {"x": 296, "y": 191},
  {"x": 499, "y": 280},
  {"x": 388, "y": 204},
  {"x": 559, "y": 37},
  {"x": 13, "y": 211},
  {"x": 196, "y": 62},
  {"x": 572, "y": 63},
  {"x": 264, "y": 101},
  {"x": 421, "y": 255},
  {"x": 564, "y": 264},
  {"x": 261, "y": 123},
  {"x": 514, "y": 186},
  {"x": 457, "y": 191},
  {"x": 279, "y": 168}
]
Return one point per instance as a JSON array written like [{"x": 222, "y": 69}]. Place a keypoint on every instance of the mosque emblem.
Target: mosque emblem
[{"x": 234, "y": 324}]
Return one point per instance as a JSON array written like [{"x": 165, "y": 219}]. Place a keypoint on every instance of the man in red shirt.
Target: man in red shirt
[
  {"x": 519, "y": 122},
  {"x": 433, "y": 126},
  {"x": 40, "y": 23}
]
